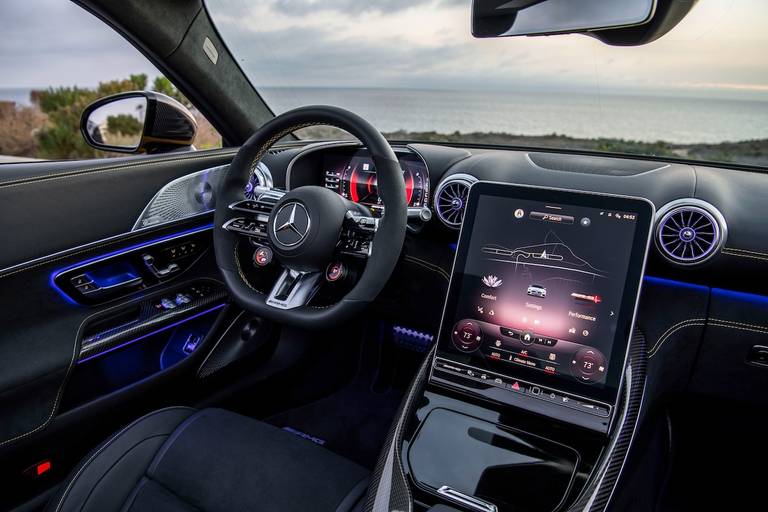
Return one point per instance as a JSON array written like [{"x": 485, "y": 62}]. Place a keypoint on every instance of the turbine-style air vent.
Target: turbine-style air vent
[
  {"x": 690, "y": 231},
  {"x": 451, "y": 198}
]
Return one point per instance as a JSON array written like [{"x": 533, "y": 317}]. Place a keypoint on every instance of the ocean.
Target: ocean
[{"x": 683, "y": 120}]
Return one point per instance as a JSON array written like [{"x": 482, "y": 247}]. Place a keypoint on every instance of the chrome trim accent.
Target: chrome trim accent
[
  {"x": 302, "y": 291},
  {"x": 250, "y": 234},
  {"x": 263, "y": 175},
  {"x": 460, "y": 178},
  {"x": 235, "y": 207},
  {"x": 702, "y": 207},
  {"x": 290, "y": 224},
  {"x": 466, "y": 500}
]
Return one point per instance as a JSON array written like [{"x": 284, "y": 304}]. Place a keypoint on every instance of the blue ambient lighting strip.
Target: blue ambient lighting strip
[{"x": 124, "y": 250}]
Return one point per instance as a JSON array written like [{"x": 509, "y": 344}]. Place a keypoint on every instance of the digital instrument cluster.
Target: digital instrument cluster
[
  {"x": 544, "y": 291},
  {"x": 353, "y": 176}
]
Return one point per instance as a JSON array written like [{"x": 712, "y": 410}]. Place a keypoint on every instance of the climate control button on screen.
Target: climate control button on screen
[
  {"x": 588, "y": 365},
  {"x": 467, "y": 336}
]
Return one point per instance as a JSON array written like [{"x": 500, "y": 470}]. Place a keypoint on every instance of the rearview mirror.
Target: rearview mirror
[
  {"x": 502, "y": 18},
  {"x": 138, "y": 122}
]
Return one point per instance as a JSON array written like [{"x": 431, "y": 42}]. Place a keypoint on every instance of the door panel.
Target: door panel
[
  {"x": 49, "y": 207},
  {"x": 44, "y": 328},
  {"x": 64, "y": 217}
]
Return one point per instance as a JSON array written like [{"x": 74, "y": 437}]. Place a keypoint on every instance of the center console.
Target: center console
[{"x": 530, "y": 397}]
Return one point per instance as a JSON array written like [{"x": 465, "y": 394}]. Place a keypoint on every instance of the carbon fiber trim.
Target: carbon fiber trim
[
  {"x": 389, "y": 490},
  {"x": 597, "y": 495},
  {"x": 149, "y": 319}
]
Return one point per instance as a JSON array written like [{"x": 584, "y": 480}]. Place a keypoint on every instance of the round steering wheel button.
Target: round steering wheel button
[
  {"x": 262, "y": 256},
  {"x": 336, "y": 271}
]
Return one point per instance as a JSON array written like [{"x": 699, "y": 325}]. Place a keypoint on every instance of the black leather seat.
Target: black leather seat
[{"x": 180, "y": 459}]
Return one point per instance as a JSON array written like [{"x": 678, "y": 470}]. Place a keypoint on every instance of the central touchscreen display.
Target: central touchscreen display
[{"x": 545, "y": 285}]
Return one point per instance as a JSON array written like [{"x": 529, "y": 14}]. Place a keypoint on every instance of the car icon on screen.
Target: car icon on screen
[{"x": 536, "y": 290}]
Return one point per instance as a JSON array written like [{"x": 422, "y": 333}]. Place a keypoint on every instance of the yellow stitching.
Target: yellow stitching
[
  {"x": 105, "y": 446},
  {"x": 429, "y": 266},
  {"x": 75, "y": 357},
  {"x": 665, "y": 333},
  {"x": 422, "y": 264},
  {"x": 726, "y": 326},
  {"x": 714, "y": 322},
  {"x": 763, "y": 327},
  {"x": 240, "y": 270},
  {"x": 99, "y": 170},
  {"x": 731, "y": 253},
  {"x": 117, "y": 239},
  {"x": 256, "y": 159},
  {"x": 744, "y": 250},
  {"x": 669, "y": 334},
  {"x": 44, "y": 424}
]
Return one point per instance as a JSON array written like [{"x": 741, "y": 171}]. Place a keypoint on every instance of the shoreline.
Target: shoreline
[{"x": 747, "y": 152}]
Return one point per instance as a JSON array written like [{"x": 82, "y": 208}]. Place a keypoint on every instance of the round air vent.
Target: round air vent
[
  {"x": 260, "y": 177},
  {"x": 451, "y": 198},
  {"x": 690, "y": 231}
]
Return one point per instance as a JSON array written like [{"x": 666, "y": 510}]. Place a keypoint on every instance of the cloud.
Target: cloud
[
  {"x": 395, "y": 43},
  {"x": 356, "y": 7},
  {"x": 49, "y": 43},
  {"x": 426, "y": 44}
]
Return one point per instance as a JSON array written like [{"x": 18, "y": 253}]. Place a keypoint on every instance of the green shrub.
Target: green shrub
[{"x": 61, "y": 137}]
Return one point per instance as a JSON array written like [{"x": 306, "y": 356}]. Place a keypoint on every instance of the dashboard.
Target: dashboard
[
  {"x": 700, "y": 302},
  {"x": 723, "y": 245}
]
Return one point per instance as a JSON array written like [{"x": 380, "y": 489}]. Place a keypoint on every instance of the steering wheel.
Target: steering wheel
[{"x": 305, "y": 228}]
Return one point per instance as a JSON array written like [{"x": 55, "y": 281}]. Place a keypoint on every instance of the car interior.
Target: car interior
[{"x": 365, "y": 324}]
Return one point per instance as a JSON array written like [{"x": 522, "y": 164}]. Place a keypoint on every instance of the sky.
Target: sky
[{"x": 720, "y": 48}]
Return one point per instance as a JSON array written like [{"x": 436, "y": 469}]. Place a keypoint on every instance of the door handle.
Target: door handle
[
  {"x": 160, "y": 273},
  {"x": 96, "y": 289}
]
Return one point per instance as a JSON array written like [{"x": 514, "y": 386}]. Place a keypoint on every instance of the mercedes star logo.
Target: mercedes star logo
[{"x": 291, "y": 224}]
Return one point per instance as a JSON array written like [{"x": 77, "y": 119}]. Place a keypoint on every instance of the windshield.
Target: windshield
[{"x": 412, "y": 68}]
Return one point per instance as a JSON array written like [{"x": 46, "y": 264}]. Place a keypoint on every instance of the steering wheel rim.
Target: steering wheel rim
[{"x": 387, "y": 240}]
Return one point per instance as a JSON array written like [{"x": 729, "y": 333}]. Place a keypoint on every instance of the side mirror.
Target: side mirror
[{"x": 138, "y": 122}]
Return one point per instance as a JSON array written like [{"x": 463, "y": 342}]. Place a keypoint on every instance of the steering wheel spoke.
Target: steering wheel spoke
[
  {"x": 250, "y": 217},
  {"x": 357, "y": 234},
  {"x": 294, "y": 289}
]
